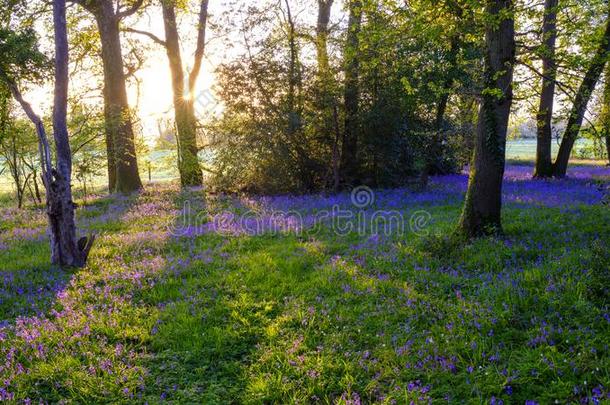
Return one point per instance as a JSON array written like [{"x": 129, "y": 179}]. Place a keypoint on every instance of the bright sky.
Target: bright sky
[
  {"x": 155, "y": 92},
  {"x": 153, "y": 98}
]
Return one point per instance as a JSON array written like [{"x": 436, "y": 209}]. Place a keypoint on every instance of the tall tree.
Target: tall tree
[
  {"x": 544, "y": 118},
  {"x": 294, "y": 75},
  {"x": 184, "y": 109},
  {"x": 324, "y": 9},
  {"x": 123, "y": 174},
  {"x": 349, "y": 147},
  {"x": 579, "y": 107},
  {"x": 605, "y": 115},
  {"x": 483, "y": 204},
  {"x": 326, "y": 99},
  {"x": 66, "y": 250}
]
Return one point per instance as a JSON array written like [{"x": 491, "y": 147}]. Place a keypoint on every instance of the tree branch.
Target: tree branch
[
  {"x": 129, "y": 11},
  {"x": 199, "y": 51},
  {"x": 150, "y": 35},
  {"x": 44, "y": 149}
]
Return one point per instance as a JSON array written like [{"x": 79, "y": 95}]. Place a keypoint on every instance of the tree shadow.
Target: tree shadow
[{"x": 29, "y": 285}]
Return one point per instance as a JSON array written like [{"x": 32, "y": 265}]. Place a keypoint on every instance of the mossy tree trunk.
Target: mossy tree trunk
[
  {"x": 483, "y": 205},
  {"x": 605, "y": 115}
]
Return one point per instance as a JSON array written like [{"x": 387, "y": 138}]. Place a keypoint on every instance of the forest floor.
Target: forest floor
[{"x": 194, "y": 298}]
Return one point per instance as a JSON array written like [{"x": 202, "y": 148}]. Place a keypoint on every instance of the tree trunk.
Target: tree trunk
[
  {"x": 36, "y": 187},
  {"x": 349, "y": 147},
  {"x": 544, "y": 160},
  {"x": 608, "y": 144},
  {"x": 294, "y": 76},
  {"x": 606, "y": 113},
  {"x": 483, "y": 204},
  {"x": 66, "y": 250},
  {"x": 326, "y": 100},
  {"x": 186, "y": 122},
  {"x": 580, "y": 104},
  {"x": 324, "y": 8},
  {"x": 120, "y": 143}
]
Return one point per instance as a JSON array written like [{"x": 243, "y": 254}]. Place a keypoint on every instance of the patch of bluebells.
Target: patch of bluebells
[{"x": 435, "y": 320}]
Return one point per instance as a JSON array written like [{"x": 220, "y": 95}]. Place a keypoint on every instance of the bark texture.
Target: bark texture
[
  {"x": 544, "y": 160},
  {"x": 123, "y": 173},
  {"x": 183, "y": 94},
  {"x": 483, "y": 204}
]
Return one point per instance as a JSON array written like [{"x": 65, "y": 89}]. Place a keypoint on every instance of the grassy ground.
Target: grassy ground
[{"x": 182, "y": 305}]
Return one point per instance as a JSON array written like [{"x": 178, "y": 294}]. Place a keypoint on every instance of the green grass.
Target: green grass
[{"x": 297, "y": 319}]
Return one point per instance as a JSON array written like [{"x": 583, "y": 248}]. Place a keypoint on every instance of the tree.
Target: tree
[
  {"x": 18, "y": 151},
  {"x": 581, "y": 100},
  {"x": 483, "y": 205},
  {"x": 123, "y": 174},
  {"x": 183, "y": 90},
  {"x": 326, "y": 102},
  {"x": 349, "y": 147},
  {"x": 544, "y": 162},
  {"x": 66, "y": 250},
  {"x": 605, "y": 114},
  {"x": 186, "y": 122}
]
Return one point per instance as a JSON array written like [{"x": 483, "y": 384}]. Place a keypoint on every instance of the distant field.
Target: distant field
[
  {"x": 526, "y": 148},
  {"x": 516, "y": 149}
]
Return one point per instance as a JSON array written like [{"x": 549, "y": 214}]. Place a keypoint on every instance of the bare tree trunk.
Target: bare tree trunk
[
  {"x": 36, "y": 187},
  {"x": 608, "y": 144},
  {"x": 544, "y": 160},
  {"x": 580, "y": 104},
  {"x": 483, "y": 204},
  {"x": 123, "y": 174},
  {"x": 184, "y": 110},
  {"x": 349, "y": 147},
  {"x": 66, "y": 250}
]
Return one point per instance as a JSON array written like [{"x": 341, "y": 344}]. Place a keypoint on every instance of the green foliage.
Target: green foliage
[
  {"x": 21, "y": 60},
  {"x": 412, "y": 62}
]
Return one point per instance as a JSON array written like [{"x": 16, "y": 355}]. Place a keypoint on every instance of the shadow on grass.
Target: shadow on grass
[{"x": 29, "y": 285}]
